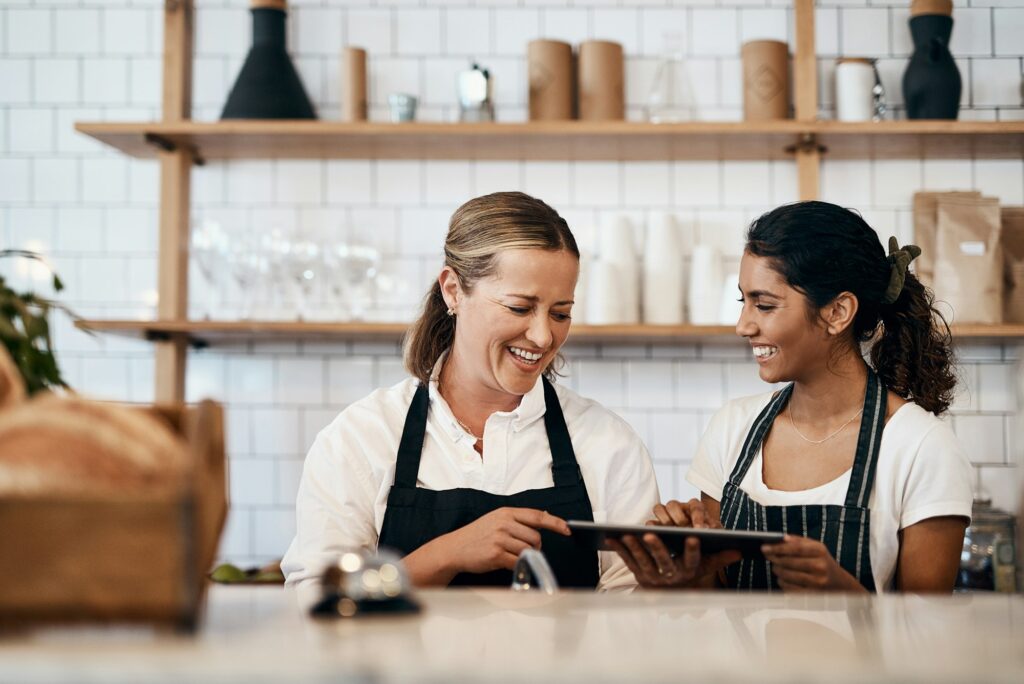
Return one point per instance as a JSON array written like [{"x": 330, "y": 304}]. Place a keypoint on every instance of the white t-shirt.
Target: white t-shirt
[
  {"x": 922, "y": 473},
  {"x": 350, "y": 468}
]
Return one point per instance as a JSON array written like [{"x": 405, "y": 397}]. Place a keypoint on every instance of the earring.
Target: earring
[{"x": 451, "y": 311}]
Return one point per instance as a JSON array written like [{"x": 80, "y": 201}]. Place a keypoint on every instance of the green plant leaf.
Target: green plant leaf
[{"x": 25, "y": 330}]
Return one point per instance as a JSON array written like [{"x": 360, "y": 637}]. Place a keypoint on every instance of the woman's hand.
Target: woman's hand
[
  {"x": 654, "y": 566},
  {"x": 491, "y": 542},
  {"x": 803, "y": 564}
]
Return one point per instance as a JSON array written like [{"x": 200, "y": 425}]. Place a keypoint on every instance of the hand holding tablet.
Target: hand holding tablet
[
  {"x": 684, "y": 547},
  {"x": 595, "y": 535}
]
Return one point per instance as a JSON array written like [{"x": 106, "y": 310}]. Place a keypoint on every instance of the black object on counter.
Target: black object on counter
[
  {"x": 931, "y": 83},
  {"x": 268, "y": 87}
]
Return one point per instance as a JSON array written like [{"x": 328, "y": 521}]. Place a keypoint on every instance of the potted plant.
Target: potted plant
[{"x": 25, "y": 329}]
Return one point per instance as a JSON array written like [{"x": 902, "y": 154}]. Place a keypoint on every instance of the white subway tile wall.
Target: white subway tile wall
[{"x": 93, "y": 211}]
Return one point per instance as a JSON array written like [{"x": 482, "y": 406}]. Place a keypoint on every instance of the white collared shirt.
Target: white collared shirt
[{"x": 350, "y": 468}]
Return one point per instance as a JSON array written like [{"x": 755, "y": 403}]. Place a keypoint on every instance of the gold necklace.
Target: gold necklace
[
  {"x": 466, "y": 428},
  {"x": 461, "y": 424},
  {"x": 821, "y": 441}
]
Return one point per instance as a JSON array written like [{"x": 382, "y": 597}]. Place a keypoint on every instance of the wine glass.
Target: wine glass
[
  {"x": 209, "y": 245},
  {"x": 248, "y": 266},
  {"x": 352, "y": 269},
  {"x": 304, "y": 268},
  {"x": 278, "y": 289}
]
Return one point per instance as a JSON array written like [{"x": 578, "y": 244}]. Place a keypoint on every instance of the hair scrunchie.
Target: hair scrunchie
[{"x": 899, "y": 260}]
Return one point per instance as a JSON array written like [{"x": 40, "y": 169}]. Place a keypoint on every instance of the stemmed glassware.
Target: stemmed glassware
[
  {"x": 352, "y": 269},
  {"x": 209, "y": 246},
  {"x": 280, "y": 274},
  {"x": 303, "y": 266},
  {"x": 249, "y": 268}
]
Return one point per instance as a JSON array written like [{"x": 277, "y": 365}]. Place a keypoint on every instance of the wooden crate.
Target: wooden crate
[{"x": 126, "y": 558}]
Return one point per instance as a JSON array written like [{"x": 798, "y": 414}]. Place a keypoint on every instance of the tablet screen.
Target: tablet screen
[{"x": 594, "y": 535}]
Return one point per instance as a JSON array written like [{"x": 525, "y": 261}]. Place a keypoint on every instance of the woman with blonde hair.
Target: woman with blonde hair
[{"x": 479, "y": 455}]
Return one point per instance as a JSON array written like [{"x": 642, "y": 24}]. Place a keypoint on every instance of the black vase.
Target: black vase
[
  {"x": 931, "y": 83},
  {"x": 268, "y": 87}
]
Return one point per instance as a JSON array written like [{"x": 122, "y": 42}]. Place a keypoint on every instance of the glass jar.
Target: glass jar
[{"x": 989, "y": 560}]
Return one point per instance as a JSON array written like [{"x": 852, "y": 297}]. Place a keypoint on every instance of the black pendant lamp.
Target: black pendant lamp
[{"x": 268, "y": 87}]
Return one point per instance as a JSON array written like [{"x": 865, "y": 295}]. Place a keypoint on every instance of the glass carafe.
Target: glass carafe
[{"x": 671, "y": 95}]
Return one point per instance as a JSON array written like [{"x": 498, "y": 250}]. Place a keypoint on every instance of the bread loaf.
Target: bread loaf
[{"x": 60, "y": 445}]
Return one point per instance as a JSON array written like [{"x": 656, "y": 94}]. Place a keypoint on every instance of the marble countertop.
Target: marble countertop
[{"x": 260, "y": 634}]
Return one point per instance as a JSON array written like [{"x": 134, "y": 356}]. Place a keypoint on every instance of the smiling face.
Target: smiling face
[
  {"x": 510, "y": 326},
  {"x": 788, "y": 345}
]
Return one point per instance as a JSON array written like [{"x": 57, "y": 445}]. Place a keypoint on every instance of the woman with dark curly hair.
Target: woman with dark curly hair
[{"x": 849, "y": 458}]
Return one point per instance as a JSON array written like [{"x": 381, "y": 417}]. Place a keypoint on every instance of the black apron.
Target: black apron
[
  {"x": 845, "y": 530},
  {"x": 416, "y": 516}
]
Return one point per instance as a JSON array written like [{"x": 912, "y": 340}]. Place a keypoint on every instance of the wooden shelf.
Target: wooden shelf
[
  {"x": 921, "y": 139},
  {"x": 542, "y": 140},
  {"x": 204, "y": 333},
  {"x": 578, "y": 140}
]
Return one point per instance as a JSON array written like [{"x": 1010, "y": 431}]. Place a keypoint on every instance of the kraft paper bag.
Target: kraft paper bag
[
  {"x": 969, "y": 259},
  {"x": 1013, "y": 259},
  {"x": 926, "y": 216}
]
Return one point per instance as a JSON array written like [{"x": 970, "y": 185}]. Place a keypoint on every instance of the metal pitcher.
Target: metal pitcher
[{"x": 476, "y": 95}]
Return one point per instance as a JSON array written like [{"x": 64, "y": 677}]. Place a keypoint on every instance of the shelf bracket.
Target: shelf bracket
[
  {"x": 164, "y": 336},
  {"x": 808, "y": 142},
  {"x": 166, "y": 145}
]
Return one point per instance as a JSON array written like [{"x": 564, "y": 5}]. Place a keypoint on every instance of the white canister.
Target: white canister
[{"x": 855, "y": 83}]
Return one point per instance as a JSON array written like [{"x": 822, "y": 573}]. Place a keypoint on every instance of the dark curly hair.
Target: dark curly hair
[{"x": 823, "y": 250}]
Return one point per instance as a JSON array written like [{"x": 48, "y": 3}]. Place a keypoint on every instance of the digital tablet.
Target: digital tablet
[{"x": 593, "y": 535}]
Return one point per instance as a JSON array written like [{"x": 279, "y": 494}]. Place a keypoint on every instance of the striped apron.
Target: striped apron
[{"x": 845, "y": 529}]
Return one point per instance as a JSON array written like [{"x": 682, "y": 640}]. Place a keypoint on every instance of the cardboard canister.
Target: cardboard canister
[
  {"x": 601, "y": 81},
  {"x": 551, "y": 80},
  {"x": 353, "y": 84},
  {"x": 765, "y": 80}
]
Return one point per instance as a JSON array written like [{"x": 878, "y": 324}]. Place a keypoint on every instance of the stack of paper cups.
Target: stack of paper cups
[
  {"x": 604, "y": 298},
  {"x": 663, "y": 283},
  {"x": 579, "y": 307},
  {"x": 616, "y": 247},
  {"x": 705, "y": 285},
  {"x": 731, "y": 307}
]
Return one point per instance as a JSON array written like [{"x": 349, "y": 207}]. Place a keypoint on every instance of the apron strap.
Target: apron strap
[
  {"x": 762, "y": 424},
  {"x": 407, "y": 467},
  {"x": 565, "y": 471},
  {"x": 862, "y": 475}
]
